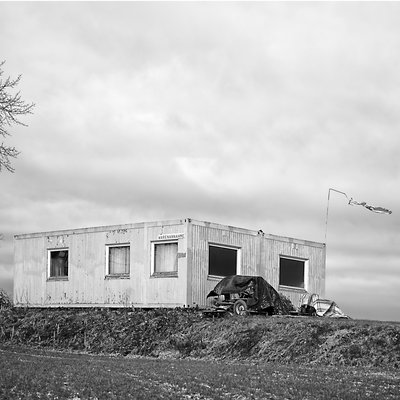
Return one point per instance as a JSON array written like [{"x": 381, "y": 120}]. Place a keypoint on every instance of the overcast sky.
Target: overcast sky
[{"x": 236, "y": 113}]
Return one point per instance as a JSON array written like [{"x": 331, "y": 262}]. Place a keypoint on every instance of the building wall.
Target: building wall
[
  {"x": 259, "y": 254},
  {"x": 87, "y": 283},
  {"x": 201, "y": 235},
  {"x": 273, "y": 247}
]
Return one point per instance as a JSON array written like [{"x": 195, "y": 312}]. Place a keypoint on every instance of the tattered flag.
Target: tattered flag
[{"x": 379, "y": 210}]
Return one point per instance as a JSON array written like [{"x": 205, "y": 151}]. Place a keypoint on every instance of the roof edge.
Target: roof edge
[
  {"x": 138, "y": 225},
  {"x": 103, "y": 228}
]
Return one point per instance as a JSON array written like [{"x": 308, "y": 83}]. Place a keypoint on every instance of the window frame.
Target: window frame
[
  {"x": 57, "y": 277},
  {"x": 305, "y": 273},
  {"x": 224, "y": 246},
  {"x": 163, "y": 274},
  {"x": 122, "y": 275}
]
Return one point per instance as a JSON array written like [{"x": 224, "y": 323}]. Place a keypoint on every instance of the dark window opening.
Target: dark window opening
[
  {"x": 58, "y": 263},
  {"x": 291, "y": 272},
  {"x": 222, "y": 261}
]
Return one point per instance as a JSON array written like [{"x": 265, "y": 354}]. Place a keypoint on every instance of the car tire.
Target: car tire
[{"x": 240, "y": 307}]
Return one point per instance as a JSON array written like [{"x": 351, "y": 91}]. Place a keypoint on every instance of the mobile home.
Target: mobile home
[{"x": 157, "y": 264}]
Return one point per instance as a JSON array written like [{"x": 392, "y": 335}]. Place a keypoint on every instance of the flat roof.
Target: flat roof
[{"x": 141, "y": 225}]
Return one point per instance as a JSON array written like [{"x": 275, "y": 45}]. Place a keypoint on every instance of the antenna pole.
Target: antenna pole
[{"x": 327, "y": 209}]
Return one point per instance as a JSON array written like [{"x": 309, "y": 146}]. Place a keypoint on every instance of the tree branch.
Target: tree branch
[{"x": 11, "y": 108}]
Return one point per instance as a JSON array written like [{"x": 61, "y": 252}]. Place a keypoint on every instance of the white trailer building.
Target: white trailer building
[{"x": 157, "y": 264}]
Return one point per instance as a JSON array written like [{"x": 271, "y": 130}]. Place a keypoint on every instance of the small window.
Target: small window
[
  {"x": 165, "y": 258},
  {"x": 118, "y": 260},
  {"x": 291, "y": 272},
  {"x": 222, "y": 261},
  {"x": 58, "y": 263}
]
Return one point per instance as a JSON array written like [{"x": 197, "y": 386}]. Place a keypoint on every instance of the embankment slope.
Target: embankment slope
[{"x": 181, "y": 333}]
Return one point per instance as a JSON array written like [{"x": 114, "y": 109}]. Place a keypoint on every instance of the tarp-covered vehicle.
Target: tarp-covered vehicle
[{"x": 240, "y": 295}]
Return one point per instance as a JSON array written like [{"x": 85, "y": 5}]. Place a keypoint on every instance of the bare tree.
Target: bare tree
[{"x": 12, "y": 107}]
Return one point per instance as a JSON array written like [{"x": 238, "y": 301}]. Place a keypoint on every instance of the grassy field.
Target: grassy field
[
  {"x": 178, "y": 354},
  {"x": 27, "y": 373}
]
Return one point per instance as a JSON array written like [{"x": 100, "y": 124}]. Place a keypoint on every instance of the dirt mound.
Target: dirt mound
[{"x": 185, "y": 333}]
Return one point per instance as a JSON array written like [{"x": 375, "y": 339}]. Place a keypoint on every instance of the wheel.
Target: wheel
[{"x": 240, "y": 307}]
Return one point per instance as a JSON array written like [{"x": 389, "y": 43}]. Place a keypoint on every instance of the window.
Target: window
[
  {"x": 58, "y": 263},
  {"x": 165, "y": 258},
  {"x": 292, "y": 272},
  {"x": 118, "y": 260},
  {"x": 222, "y": 261}
]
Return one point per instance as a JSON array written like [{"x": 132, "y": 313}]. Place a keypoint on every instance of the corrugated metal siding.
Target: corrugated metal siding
[
  {"x": 166, "y": 290},
  {"x": 293, "y": 295},
  {"x": 259, "y": 256},
  {"x": 29, "y": 282},
  {"x": 87, "y": 283},
  {"x": 314, "y": 255},
  {"x": 201, "y": 237}
]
